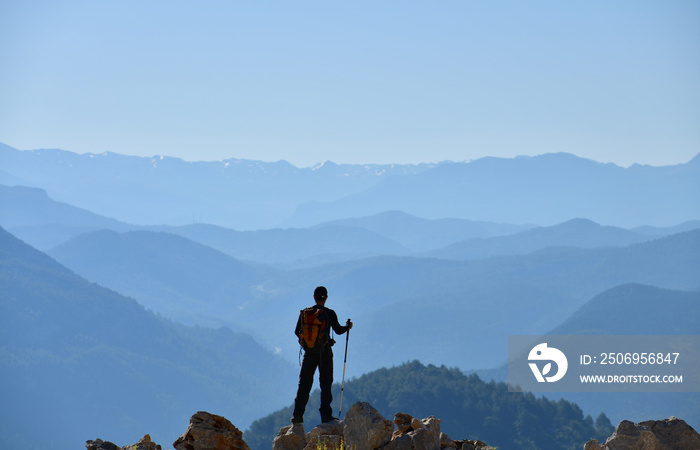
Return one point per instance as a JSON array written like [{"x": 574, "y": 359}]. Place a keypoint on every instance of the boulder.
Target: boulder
[
  {"x": 403, "y": 423},
  {"x": 365, "y": 429},
  {"x": 668, "y": 434},
  {"x": 674, "y": 433},
  {"x": 144, "y": 444},
  {"x": 291, "y": 437},
  {"x": 472, "y": 444},
  {"x": 593, "y": 445},
  {"x": 399, "y": 443},
  {"x": 423, "y": 434},
  {"x": 210, "y": 432},
  {"x": 432, "y": 425},
  {"x": 446, "y": 442},
  {"x": 334, "y": 428},
  {"x": 99, "y": 444}
]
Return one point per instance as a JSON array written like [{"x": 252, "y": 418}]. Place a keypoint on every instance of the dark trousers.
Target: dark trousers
[{"x": 324, "y": 361}]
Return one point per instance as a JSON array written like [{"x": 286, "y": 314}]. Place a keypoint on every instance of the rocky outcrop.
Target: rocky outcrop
[
  {"x": 210, "y": 432},
  {"x": 365, "y": 429},
  {"x": 669, "y": 434},
  {"x": 362, "y": 429},
  {"x": 144, "y": 444}
]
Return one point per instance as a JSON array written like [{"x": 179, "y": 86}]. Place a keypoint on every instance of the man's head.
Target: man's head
[{"x": 320, "y": 294}]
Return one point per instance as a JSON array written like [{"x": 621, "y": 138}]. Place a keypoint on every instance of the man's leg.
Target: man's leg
[
  {"x": 306, "y": 379},
  {"x": 326, "y": 380}
]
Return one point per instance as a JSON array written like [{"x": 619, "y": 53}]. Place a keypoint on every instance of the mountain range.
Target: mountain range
[
  {"x": 166, "y": 287},
  {"x": 82, "y": 360},
  {"x": 543, "y": 190},
  {"x": 73, "y": 350},
  {"x": 32, "y": 215},
  {"x": 236, "y": 193},
  {"x": 248, "y": 195},
  {"x": 224, "y": 282},
  {"x": 38, "y": 219},
  {"x": 387, "y": 295}
]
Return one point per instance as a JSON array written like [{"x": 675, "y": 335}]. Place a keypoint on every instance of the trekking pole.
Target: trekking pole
[{"x": 345, "y": 361}]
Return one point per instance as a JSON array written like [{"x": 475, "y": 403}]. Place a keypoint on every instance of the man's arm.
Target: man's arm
[{"x": 337, "y": 327}]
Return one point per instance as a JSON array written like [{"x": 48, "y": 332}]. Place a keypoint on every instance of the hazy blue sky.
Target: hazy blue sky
[{"x": 353, "y": 81}]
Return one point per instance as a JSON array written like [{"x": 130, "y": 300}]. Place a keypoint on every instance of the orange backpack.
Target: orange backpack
[{"x": 314, "y": 328}]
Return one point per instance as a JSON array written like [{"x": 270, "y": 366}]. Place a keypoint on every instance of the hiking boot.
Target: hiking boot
[
  {"x": 328, "y": 419},
  {"x": 296, "y": 420}
]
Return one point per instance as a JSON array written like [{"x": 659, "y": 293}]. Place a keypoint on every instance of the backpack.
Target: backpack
[{"x": 314, "y": 328}]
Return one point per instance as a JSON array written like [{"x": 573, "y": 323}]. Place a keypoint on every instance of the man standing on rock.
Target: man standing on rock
[{"x": 313, "y": 330}]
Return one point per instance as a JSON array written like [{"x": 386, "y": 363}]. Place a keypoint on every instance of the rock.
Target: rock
[
  {"x": 674, "y": 433},
  {"x": 291, "y": 437},
  {"x": 473, "y": 444},
  {"x": 630, "y": 435},
  {"x": 399, "y": 443},
  {"x": 210, "y": 432},
  {"x": 416, "y": 424},
  {"x": 593, "y": 445},
  {"x": 428, "y": 435},
  {"x": 99, "y": 444},
  {"x": 334, "y": 428},
  {"x": 422, "y": 435},
  {"x": 144, "y": 444},
  {"x": 446, "y": 442},
  {"x": 668, "y": 434},
  {"x": 403, "y": 423},
  {"x": 365, "y": 429}
]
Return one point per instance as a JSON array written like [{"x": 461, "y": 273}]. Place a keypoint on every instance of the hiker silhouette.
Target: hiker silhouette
[{"x": 313, "y": 330}]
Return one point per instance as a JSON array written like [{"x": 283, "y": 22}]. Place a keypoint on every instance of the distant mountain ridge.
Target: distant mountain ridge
[
  {"x": 159, "y": 190},
  {"x": 543, "y": 190},
  {"x": 77, "y": 357},
  {"x": 43, "y": 222},
  {"x": 25, "y": 206},
  {"x": 32, "y": 215},
  {"x": 659, "y": 311},
  {"x": 582, "y": 233},
  {"x": 389, "y": 293},
  {"x": 420, "y": 234},
  {"x": 167, "y": 273},
  {"x": 247, "y": 195}
]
